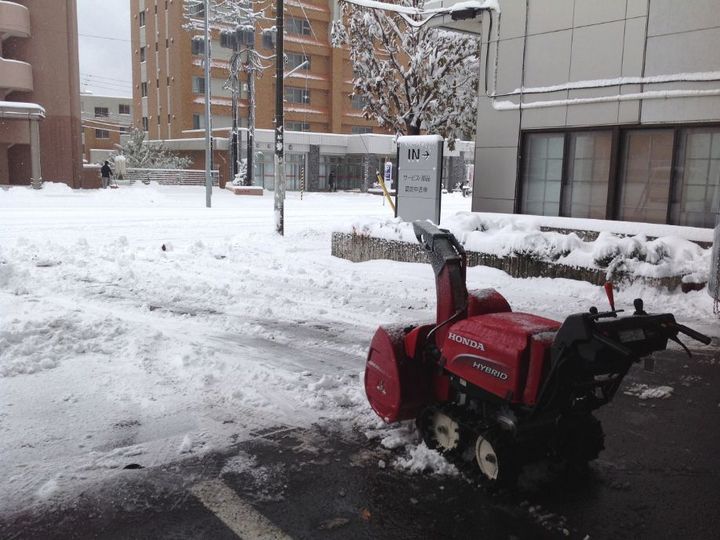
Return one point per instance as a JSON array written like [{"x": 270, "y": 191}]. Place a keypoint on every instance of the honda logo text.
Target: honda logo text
[{"x": 466, "y": 341}]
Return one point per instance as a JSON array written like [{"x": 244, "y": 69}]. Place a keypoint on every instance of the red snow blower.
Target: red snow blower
[{"x": 493, "y": 389}]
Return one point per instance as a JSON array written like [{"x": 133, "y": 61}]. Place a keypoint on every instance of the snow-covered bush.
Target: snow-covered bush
[{"x": 140, "y": 154}]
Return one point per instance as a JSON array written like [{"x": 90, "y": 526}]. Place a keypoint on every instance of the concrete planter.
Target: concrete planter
[{"x": 357, "y": 248}]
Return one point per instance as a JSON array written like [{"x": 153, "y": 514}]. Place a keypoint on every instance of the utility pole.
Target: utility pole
[
  {"x": 235, "y": 88},
  {"x": 279, "y": 120},
  {"x": 208, "y": 120},
  {"x": 250, "y": 176}
]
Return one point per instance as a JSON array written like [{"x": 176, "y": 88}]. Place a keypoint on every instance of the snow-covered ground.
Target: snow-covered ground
[{"x": 114, "y": 350}]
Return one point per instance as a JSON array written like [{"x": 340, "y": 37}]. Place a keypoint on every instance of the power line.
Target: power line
[
  {"x": 104, "y": 37},
  {"x": 94, "y": 76}
]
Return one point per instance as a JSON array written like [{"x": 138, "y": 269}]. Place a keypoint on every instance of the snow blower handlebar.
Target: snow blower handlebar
[
  {"x": 442, "y": 247},
  {"x": 449, "y": 261}
]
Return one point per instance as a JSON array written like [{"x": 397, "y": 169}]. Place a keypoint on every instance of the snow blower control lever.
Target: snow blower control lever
[{"x": 492, "y": 389}]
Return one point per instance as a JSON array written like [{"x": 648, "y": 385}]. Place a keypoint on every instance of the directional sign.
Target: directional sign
[
  {"x": 419, "y": 177},
  {"x": 388, "y": 174}
]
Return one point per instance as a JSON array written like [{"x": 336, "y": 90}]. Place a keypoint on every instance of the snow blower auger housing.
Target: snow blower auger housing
[{"x": 493, "y": 389}]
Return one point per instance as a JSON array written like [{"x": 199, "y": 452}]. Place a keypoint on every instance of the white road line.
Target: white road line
[{"x": 238, "y": 515}]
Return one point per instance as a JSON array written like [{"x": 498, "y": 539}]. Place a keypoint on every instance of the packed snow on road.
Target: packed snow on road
[{"x": 139, "y": 327}]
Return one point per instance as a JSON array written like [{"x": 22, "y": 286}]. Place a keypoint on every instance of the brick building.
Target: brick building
[
  {"x": 39, "y": 92},
  {"x": 169, "y": 84}
]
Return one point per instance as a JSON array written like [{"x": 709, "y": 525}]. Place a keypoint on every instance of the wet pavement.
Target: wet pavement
[{"x": 659, "y": 477}]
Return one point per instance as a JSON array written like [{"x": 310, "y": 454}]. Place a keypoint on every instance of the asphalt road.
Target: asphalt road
[{"x": 659, "y": 477}]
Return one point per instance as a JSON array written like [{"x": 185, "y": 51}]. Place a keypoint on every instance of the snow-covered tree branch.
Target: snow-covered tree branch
[
  {"x": 226, "y": 14},
  {"x": 413, "y": 79}
]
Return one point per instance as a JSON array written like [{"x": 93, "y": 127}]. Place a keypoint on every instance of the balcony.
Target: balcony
[
  {"x": 14, "y": 20},
  {"x": 15, "y": 76}
]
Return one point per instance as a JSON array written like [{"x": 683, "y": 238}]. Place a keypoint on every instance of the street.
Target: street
[{"x": 657, "y": 478}]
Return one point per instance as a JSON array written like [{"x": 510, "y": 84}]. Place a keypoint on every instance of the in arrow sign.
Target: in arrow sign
[{"x": 426, "y": 154}]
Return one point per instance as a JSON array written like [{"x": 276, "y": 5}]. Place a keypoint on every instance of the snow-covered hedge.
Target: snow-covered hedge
[{"x": 506, "y": 236}]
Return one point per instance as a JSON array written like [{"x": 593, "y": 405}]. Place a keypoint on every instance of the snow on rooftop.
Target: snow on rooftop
[{"x": 20, "y": 107}]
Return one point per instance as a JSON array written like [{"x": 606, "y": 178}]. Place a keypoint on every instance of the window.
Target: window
[
  {"x": 167, "y": 43},
  {"x": 141, "y": 18},
  {"x": 268, "y": 39},
  {"x": 123, "y": 108},
  {"x": 197, "y": 46},
  {"x": 297, "y": 126},
  {"x": 296, "y": 59},
  {"x": 142, "y": 54},
  {"x": 542, "y": 174},
  {"x": 102, "y": 112},
  {"x": 645, "y": 175},
  {"x": 360, "y": 130},
  {"x": 143, "y": 89},
  {"x": 156, "y": 46},
  {"x": 696, "y": 198},
  {"x": 198, "y": 85},
  {"x": 585, "y": 190},
  {"x": 145, "y": 123},
  {"x": 198, "y": 121},
  {"x": 359, "y": 102},
  {"x": 196, "y": 10},
  {"x": 293, "y": 25},
  {"x": 297, "y": 95},
  {"x": 102, "y": 134},
  {"x": 663, "y": 174}
]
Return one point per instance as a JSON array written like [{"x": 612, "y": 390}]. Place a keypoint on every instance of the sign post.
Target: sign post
[
  {"x": 714, "y": 284},
  {"x": 419, "y": 177}
]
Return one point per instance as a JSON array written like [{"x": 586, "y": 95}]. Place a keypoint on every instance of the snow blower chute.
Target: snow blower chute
[{"x": 493, "y": 389}]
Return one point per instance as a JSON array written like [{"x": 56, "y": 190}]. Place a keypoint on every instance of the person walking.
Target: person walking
[
  {"x": 331, "y": 181},
  {"x": 105, "y": 172}
]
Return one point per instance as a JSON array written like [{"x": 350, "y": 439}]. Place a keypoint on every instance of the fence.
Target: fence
[{"x": 175, "y": 177}]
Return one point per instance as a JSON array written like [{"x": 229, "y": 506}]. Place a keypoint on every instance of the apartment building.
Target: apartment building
[
  {"x": 606, "y": 110},
  {"x": 104, "y": 120},
  {"x": 169, "y": 83},
  {"x": 39, "y": 92}
]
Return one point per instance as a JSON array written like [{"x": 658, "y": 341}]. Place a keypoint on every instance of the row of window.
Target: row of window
[
  {"x": 104, "y": 112},
  {"x": 659, "y": 175},
  {"x": 143, "y": 50},
  {"x": 141, "y": 15}
]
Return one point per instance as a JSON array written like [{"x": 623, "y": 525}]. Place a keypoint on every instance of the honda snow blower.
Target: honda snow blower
[{"x": 492, "y": 389}]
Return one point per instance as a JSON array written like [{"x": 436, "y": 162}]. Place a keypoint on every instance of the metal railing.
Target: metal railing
[{"x": 175, "y": 177}]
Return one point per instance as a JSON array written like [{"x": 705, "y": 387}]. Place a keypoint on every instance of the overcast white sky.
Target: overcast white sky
[{"x": 104, "y": 28}]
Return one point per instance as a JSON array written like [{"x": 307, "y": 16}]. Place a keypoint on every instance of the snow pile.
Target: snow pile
[
  {"x": 423, "y": 459},
  {"x": 116, "y": 352},
  {"x": 643, "y": 391},
  {"x": 505, "y": 236},
  {"x": 32, "y": 346}
]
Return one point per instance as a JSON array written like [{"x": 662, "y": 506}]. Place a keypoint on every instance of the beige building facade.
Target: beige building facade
[
  {"x": 40, "y": 133},
  {"x": 104, "y": 120}
]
